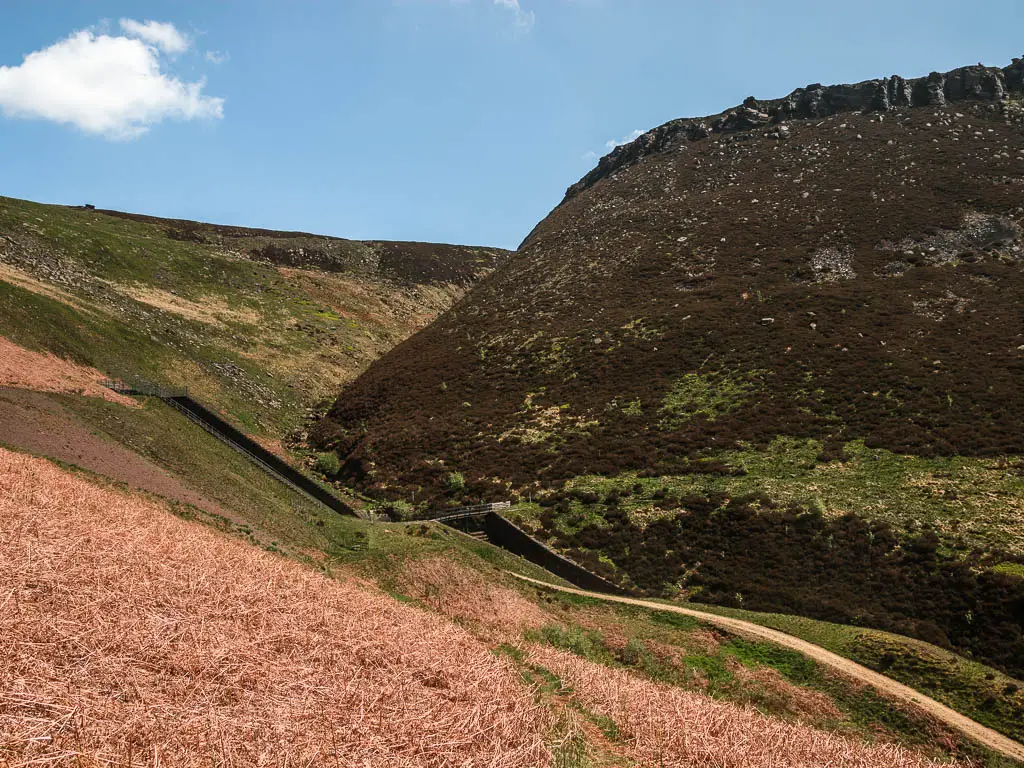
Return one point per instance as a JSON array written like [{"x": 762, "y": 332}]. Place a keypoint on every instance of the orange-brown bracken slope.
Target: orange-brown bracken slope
[
  {"x": 465, "y": 595},
  {"x": 130, "y": 637},
  {"x": 43, "y": 372},
  {"x": 672, "y": 728}
]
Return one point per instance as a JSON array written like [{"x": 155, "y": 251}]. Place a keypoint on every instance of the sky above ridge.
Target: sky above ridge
[{"x": 440, "y": 120}]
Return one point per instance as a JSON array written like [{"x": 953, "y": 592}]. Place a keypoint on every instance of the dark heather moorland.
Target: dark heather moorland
[{"x": 770, "y": 359}]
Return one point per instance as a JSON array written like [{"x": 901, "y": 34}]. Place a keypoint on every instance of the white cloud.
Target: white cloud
[
  {"x": 590, "y": 155},
  {"x": 217, "y": 57},
  {"x": 524, "y": 19},
  {"x": 162, "y": 34},
  {"x": 109, "y": 86},
  {"x": 634, "y": 134}
]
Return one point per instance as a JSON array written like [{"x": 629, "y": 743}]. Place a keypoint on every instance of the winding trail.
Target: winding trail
[{"x": 980, "y": 733}]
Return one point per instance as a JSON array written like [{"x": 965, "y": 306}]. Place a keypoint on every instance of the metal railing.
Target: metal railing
[
  {"x": 476, "y": 510},
  {"x": 134, "y": 385},
  {"x": 178, "y": 399},
  {"x": 231, "y": 443},
  {"x": 502, "y": 532}
]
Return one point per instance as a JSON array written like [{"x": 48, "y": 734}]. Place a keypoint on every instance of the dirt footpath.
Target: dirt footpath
[
  {"x": 32, "y": 421},
  {"x": 991, "y": 739}
]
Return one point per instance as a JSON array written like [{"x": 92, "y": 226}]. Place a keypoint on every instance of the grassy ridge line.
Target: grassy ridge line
[
  {"x": 986, "y": 736},
  {"x": 261, "y": 340}
]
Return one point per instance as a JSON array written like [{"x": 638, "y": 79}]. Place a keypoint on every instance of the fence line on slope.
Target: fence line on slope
[
  {"x": 503, "y": 533},
  {"x": 179, "y": 400},
  {"x": 499, "y": 530}
]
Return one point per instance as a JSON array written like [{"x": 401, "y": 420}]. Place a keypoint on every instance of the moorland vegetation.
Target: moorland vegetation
[{"x": 835, "y": 269}]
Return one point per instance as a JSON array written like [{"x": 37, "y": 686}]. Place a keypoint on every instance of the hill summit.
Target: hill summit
[
  {"x": 843, "y": 263},
  {"x": 769, "y": 359}
]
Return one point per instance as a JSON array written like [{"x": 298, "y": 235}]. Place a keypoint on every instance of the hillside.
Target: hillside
[
  {"x": 169, "y": 642},
  {"x": 262, "y": 324},
  {"x": 768, "y": 359},
  {"x": 157, "y": 589}
]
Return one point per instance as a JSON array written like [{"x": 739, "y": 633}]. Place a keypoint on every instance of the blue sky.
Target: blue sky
[{"x": 441, "y": 120}]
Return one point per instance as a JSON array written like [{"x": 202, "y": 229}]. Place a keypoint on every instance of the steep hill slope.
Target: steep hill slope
[
  {"x": 262, "y": 324},
  {"x": 156, "y": 457},
  {"x": 824, "y": 283},
  {"x": 169, "y": 642}
]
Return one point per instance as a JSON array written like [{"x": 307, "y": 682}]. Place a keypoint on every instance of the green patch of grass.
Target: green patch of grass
[
  {"x": 674, "y": 620},
  {"x": 554, "y": 356},
  {"x": 867, "y": 709},
  {"x": 980, "y": 692},
  {"x": 1010, "y": 569},
  {"x": 544, "y": 679},
  {"x": 583, "y": 642},
  {"x": 42, "y": 323},
  {"x": 576, "y": 601},
  {"x": 511, "y": 651},
  {"x": 633, "y": 408},
  {"x": 571, "y": 752},
  {"x": 706, "y": 395},
  {"x": 793, "y": 665},
  {"x": 402, "y": 598},
  {"x": 605, "y": 724},
  {"x": 328, "y": 463},
  {"x": 712, "y": 667},
  {"x": 969, "y": 501},
  {"x": 640, "y": 330}
]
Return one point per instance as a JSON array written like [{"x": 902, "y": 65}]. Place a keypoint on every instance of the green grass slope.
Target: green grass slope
[{"x": 261, "y": 324}]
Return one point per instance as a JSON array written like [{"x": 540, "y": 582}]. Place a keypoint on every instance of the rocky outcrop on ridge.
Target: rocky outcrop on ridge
[{"x": 976, "y": 82}]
